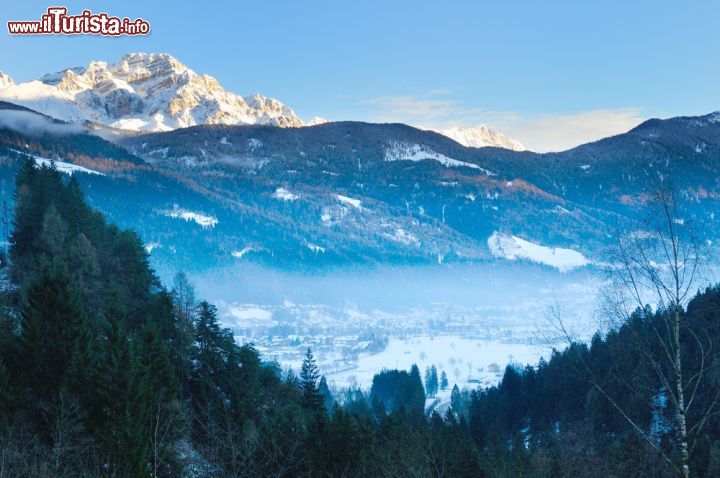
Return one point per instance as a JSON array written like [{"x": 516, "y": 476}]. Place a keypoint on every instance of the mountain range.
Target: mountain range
[
  {"x": 155, "y": 92},
  {"x": 143, "y": 92},
  {"x": 357, "y": 193}
]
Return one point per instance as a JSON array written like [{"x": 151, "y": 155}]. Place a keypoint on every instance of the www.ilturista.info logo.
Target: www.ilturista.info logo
[{"x": 57, "y": 22}]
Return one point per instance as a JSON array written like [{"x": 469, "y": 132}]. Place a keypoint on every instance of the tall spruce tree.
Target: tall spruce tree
[{"x": 309, "y": 376}]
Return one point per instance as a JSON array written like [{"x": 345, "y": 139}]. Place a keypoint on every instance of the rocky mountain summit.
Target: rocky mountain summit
[{"x": 143, "y": 92}]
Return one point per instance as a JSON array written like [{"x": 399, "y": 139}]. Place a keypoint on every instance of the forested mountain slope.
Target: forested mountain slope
[{"x": 367, "y": 194}]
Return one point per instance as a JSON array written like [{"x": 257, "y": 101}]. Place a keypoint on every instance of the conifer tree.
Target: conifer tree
[
  {"x": 208, "y": 341},
  {"x": 443, "y": 381},
  {"x": 455, "y": 399},
  {"x": 309, "y": 376},
  {"x": 416, "y": 398}
]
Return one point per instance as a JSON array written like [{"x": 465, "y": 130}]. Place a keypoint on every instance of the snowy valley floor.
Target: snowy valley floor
[{"x": 468, "y": 321}]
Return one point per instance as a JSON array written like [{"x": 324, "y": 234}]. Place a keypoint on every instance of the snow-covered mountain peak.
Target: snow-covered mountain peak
[
  {"x": 316, "y": 120},
  {"x": 5, "y": 80},
  {"x": 144, "y": 92},
  {"x": 481, "y": 136},
  {"x": 137, "y": 66},
  {"x": 712, "y": 118}
]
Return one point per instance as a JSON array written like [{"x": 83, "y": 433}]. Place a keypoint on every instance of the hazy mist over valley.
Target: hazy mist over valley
[{"x": 499, "y": 303}]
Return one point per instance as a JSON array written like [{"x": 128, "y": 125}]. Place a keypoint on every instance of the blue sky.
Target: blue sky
[{"x": 551, "y": 73}]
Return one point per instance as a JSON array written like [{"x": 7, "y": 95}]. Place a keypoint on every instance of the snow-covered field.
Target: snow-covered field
[
  {"x": 512, "y": 248},
  {"x": 467, "y": 361},
  {"x": 204, "y": 220}
]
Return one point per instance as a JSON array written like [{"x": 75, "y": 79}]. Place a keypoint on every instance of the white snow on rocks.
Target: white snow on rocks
[
  {"x": 356, "y": 203},
  {"x": 61, "y": 166},
  {"x": 403, "y": 237},
  {"x": 66, "y": 168},
  {"x": 5, "y": 80},
  {"x": 399, "y": 151},
  {"x": 316, "y": 120},
  {"x": 143, "y": 92},
  {"x": 285, "y": 195},
  {"x": 481, "y": 136},
  {"x": 315, "y": 248},
  {"x": 243, "y": 252},
  {"x": 204, "y": 220},
  {"x": 512, "y": 248},
  {"x": 151, "y": 246}
]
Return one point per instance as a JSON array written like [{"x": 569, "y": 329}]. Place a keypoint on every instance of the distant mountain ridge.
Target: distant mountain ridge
[
  {"x": 362, "y": 193},
  {"x": 152, "y": 92}
]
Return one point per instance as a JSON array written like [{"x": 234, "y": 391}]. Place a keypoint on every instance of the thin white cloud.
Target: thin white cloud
[
  {"x": 433, "y": 108},
  {"x": 560, "y": 132},
  {"x": 34, "y": 124},
  {"x": 554, "y": 132}
]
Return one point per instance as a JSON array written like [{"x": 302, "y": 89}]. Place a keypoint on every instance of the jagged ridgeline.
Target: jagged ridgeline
[{"x": 358, "y": 194}]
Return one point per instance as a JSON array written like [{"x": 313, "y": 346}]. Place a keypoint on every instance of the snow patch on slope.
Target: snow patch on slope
[
  {"x": 61, "y": 166},
  {"x": 244, "y": 251},
  {"x": 399, "y": 151},
  {"x": 315, "y": 248},
  {"x": 66, "y": 168},
  {"x": 151, "y": 246},
  {"x": 511, "y": 248},
  {"x": 403, "y": 237},
  {"x": 204, "y": 220},
  {"x": 356, "y": 203},
  {"x": 285, "y": 195}
]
